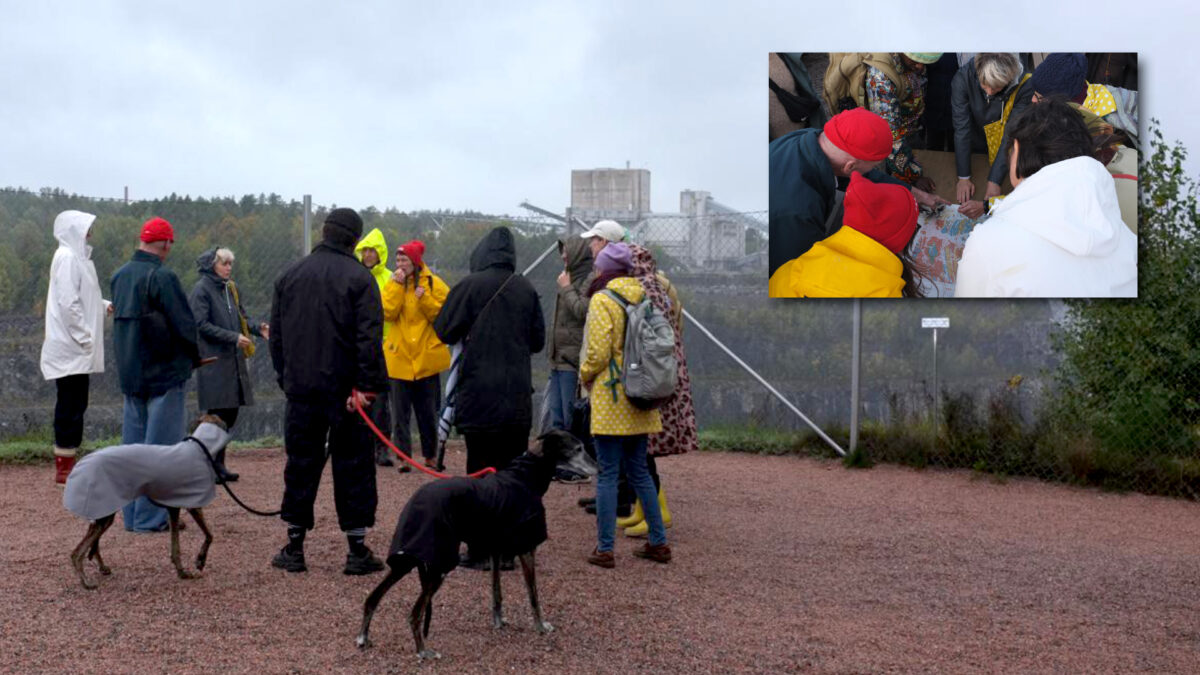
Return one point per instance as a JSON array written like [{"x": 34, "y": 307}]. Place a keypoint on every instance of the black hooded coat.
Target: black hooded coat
[
  {"x": 494, "y": 389},
  {"x": 226, "y": 382}
]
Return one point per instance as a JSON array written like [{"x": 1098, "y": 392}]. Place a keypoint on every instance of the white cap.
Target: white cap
[{"x": 609, "y": 230}]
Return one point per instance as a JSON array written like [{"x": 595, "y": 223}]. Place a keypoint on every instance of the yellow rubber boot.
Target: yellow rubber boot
[
  {"x": 636, "y": 516},
  {"x": 643, "y": 528}
]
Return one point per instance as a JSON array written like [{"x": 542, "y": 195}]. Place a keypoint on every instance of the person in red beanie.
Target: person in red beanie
[
  {"x": 412, "y": 298},
  {"x": 154, "y": 337},
  {"x": 803, "y": 179},
  {"x": 866, "y": 257}
]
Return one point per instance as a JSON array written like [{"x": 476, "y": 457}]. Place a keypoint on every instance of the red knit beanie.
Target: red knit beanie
[
  {"x": 157, "y": 229},
  {"x": 861, "y": 133},
  {"x": 414, "y": 250},
  {"x": 884, "y": 212}
]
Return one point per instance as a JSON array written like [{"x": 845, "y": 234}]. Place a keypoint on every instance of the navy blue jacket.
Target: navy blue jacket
[
  {"x": 802, "y": 186},
  {"x": 154, "y": 333}
]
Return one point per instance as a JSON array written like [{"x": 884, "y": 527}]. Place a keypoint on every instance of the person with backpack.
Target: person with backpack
[
  {"x": 803, "y": 179},
  {"x": 619, "y": 427}
]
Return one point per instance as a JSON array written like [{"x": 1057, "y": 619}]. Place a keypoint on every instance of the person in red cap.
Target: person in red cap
[
  {"x": 154, "y": 337},
  {"x": 803, "y": 179},
  {"x": 412, "y": 298},
  {"x": 866, "y": 257}
]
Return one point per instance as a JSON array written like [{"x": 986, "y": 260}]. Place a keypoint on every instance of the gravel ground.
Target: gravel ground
[{"x": 782, "y": 564}]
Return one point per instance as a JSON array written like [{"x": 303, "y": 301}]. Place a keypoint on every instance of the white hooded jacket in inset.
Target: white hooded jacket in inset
[
  {"x": 1058, "y": 235},
  {"x": 74, "y": 343}
]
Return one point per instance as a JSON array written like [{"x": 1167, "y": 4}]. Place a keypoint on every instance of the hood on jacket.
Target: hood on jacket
[
  {"x": 71, "y": 228},
  {"x": 373, "y": 239},
  {"x": 205, "y": 262},
  {"x": 628, "y": 288},
  {"x": 579, "y": 257},
  {"x": 495, "y": 250},
  {"x": 1071, "y": 204}
]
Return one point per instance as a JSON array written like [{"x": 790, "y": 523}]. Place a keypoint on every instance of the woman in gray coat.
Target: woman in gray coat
[{"x": 225, "y": 332}]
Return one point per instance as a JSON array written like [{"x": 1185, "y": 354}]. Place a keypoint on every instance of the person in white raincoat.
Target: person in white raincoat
[
  {"x": 1059, "y": 234},
  {"x": 73, "y": 348}
]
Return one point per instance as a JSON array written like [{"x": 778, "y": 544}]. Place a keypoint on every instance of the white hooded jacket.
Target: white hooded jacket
[
  {"x": 74, "y": 343},
  {"x": 1058, "y": 235}
]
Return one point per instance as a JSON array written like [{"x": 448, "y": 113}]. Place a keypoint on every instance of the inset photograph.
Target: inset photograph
[{"x": 939, "y": 175}]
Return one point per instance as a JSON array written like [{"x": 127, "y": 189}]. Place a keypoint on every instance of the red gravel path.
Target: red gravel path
[{"x": 782, "y": 564}]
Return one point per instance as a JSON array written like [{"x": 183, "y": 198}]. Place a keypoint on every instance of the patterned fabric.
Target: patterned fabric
[
  {"x": 678, "y": 415},
  {"x": 1099, "y": 100},
  {"x": 904, "y": 117}
]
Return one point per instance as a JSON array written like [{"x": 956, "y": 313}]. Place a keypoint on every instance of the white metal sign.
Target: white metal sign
[{"x": 935, "y": 322}]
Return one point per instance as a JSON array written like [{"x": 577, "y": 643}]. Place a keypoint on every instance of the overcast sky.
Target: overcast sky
[{"x": 476, "y": 105}]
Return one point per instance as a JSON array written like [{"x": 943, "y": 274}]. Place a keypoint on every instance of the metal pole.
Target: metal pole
[
  {"x": 855, "y": 363},
  {"x": 766, "y": 384},
  {"x": 935, "y": 391},
  {"x": 540, "y": 258},
  {"x": 307, "y": 224}
]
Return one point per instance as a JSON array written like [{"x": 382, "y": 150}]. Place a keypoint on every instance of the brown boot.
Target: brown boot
[
  {"x": 64, "y": 461},
  {"x": 602, "y": 559},
  {"x": 659, "y": 554}
]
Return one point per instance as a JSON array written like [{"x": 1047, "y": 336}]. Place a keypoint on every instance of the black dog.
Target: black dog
[{"x": 500, "y": 513}]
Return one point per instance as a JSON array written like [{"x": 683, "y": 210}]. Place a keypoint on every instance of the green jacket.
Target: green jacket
[{"x": 570, "y": 307}]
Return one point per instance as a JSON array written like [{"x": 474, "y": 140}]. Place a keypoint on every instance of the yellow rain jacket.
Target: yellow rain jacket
[
  {"x": 411, "y": 348},
  {"x": 375, "y": 240},
  {"x": 848, "y": 264},
  {"x": 604, "y": 340}
]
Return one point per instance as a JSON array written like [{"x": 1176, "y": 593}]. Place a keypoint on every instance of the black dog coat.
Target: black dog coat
[{"x": 498, "y": 513}]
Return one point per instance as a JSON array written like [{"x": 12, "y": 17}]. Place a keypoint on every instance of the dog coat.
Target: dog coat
[
  {"x": 499, "y": 512},
  {"x": 172, "y": 475}
]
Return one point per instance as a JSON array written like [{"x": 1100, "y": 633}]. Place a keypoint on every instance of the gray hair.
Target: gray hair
[
  {"x": 996, "y": 70},
  {"x": 223, "y": 255}
]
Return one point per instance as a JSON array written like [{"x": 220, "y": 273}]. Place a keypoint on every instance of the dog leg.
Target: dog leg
[
  {"x": 498, "y": 621},
  {"x": 89, "y": 538},
  {"x": 528, "y": 568},
  {"x": 104, "y": 524},
  {"x": 198, "y": 518},
  {"x": 394, "y": 574},
  {"x": 173, "y": 523},
  {"x": 429, "y": 583}
]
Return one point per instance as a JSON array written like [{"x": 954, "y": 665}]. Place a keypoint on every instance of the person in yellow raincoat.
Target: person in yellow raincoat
[
  {"x": 620, "y": 430},
  {"x": 412, "y": 298},
  {"x": 372, "y": 251},
  {"x": 866, "y": 257}
]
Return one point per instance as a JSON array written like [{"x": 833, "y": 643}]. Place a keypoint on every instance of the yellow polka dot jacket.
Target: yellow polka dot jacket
[{"x": 603, "y": 358}]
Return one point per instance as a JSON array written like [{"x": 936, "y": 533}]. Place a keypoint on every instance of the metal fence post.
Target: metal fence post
[
  {"x": 855, "y": 364},
  {"x": 307, "y": 225}
]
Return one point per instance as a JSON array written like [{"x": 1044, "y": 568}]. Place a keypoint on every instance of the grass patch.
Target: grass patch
[{"x": 37, "y": 447}]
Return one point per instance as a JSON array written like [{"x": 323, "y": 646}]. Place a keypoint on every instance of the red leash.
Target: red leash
[{"x": 401, "y": 455}]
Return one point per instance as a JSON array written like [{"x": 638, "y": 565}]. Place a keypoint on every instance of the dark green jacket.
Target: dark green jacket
[
  {"x": 570, "y": 306},
  {"x": 154, "y": 333},
  {"x": 802, "y": 185}
]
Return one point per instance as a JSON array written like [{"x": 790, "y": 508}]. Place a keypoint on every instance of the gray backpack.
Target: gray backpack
[{"x": 650, "y": 372}]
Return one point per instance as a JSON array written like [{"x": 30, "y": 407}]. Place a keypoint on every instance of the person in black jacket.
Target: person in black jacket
[
  {"x": 496, "y": 314},
  {"x": 326, "y": 334},
  {"x": 224, "y": 332},
  {"x": 154, "y": 338}
]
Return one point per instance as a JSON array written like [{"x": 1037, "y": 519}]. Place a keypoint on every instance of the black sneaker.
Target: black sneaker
[
  {"x": 587, "y": 501},
  {"x": 383, "y": 458},
  {"x": 364, "y": 564},
  {"x": 287, "y": 560},
  {"x": 483, "y": 564},
  {"x": 569, "y": 477}
]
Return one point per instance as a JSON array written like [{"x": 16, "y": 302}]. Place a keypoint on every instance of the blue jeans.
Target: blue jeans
[
  {"x": 158, "y": 420},
  {"x": 561, "y": 395},
  {"x": 630, "y": 451}
]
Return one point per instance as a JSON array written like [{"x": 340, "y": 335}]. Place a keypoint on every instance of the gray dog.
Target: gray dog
[{"x": 173, "y": 476}]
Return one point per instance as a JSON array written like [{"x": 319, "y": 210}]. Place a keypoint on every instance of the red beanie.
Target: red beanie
[
  {"x": 861, "y": 133},
  {"x": 884, "y": 212},
  {"x": 157, "y": 229},
  {"x": 414, "y": 250}
]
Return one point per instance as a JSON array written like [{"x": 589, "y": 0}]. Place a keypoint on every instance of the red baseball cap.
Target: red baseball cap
[
  {"x": 885, "y": 212},
  {"x": 157, "y": 229},
  {"x": 861, "y": 133}
]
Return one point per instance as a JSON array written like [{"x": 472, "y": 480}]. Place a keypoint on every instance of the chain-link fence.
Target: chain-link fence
[{"x": 1009, "y": 399}]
